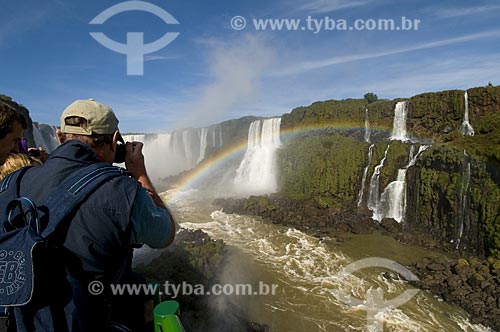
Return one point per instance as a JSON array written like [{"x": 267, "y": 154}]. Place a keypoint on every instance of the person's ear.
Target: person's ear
[
  {"x": 59, "y": 136},
  {"x": 116, "y": 137}
]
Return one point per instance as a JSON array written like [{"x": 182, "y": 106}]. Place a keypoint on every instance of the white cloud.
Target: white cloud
[
  {"x": 318, "y": 64},
  {"x": 148, "y": 58}
]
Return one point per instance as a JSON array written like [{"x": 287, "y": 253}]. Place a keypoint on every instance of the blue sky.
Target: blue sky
[{"x": 212, "y": 72}]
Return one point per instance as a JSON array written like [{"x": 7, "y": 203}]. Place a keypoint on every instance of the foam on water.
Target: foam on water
[{"x": 308, "y": 271}]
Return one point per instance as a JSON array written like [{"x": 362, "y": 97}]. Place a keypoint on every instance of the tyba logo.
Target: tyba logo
[
  {"x": 12, "y": 271},
  {"x": 375, "y": 304},
  {"x": 135, "y": 49}
]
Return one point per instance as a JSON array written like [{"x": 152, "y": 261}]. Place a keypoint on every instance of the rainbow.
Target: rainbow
[{"x": 206, "y": 167}]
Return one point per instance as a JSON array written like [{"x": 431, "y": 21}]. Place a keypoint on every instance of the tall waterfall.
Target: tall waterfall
[
  {"x": 257, "y": 172},
  {"x": 399, "y": 127},
  {"x": 394, "y": 192},
  {"x": 370, "y": 153},
  {"x": 463, "y": 214},
  {"x": 466, "y": 127},
  {"x": 368, "y": 131},
  {"x": 393, "y": 199},
  {"x": 365, "y": 174}
]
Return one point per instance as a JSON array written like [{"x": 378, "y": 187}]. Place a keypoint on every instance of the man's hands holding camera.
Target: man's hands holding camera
[{"x": 134, "y": 160}]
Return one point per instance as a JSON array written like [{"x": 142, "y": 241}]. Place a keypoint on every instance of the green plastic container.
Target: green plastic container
[{"x": 166, "y": 317}]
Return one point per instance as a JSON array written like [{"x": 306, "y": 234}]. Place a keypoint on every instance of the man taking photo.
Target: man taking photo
[{"x": 97, "y": 239}]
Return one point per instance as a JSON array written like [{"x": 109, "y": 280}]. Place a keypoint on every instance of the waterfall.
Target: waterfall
[
  {"x": 170, "y": 154},
  {"x": 466, "y": 127},
  {"x": 203, "y": 144},
  {"x": 374, "y": 195},
  {"x": 370, "y": 152},
  {"x": 413, "y": 160},
  {"x": 464, "y": 191},
  {"x": 220, "y": 136},
  {"x": 213, "y": 137},
  {"x": 257, "y": 171},
  {"x": 393, "y": 200},
  {"x": 365, "y": 174},
  {"x": 45, "y": 136},
  {"x": 368, "y": 131},
  {"x": 399, "y": 126},
  {"x": 188, "y": 153}
]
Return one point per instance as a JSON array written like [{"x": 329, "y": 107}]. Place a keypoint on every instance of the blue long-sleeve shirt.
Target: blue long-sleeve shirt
[{"x": 150, "y": 223}]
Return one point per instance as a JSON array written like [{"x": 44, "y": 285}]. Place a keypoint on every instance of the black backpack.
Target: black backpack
[{"x": 25, "y": 229}]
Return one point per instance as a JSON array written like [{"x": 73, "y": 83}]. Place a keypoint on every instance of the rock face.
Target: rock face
[
  {"x": 454, "y": 198},
  {"x": 305, "y": 215},
  {"x": 473, "y": 284}
]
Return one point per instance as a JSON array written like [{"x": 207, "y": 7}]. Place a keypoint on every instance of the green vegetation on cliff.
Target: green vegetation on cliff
[
  {"x": 457, "y": 199},
  {"x": 325, "y": 168},
  {"x": 350, "y": 111},
  {"x": 435, "y": 114}
]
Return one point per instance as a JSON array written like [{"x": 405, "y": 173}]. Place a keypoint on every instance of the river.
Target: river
[{"x": 307, "y": 272}]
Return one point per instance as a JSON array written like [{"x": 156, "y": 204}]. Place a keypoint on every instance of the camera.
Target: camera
[
  {"x": 34, "y": 153},
  {"x": 120, "y": 153}
]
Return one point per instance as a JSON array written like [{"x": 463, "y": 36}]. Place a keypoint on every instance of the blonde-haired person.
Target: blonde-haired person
[{"x": 16, "y": 161}]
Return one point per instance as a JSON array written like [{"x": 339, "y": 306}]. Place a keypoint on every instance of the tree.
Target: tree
[{"x": 370, "y": 97}]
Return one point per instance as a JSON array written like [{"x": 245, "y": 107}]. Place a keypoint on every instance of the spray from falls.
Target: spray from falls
[
  {"x": 466, "y": 127},
  {"x": 257, "y": 172}
]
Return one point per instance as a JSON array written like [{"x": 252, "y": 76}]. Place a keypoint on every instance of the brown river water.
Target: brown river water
[{"x": 307, "y": 272}]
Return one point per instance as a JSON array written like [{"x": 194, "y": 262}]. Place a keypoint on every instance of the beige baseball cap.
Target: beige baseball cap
[{"x": 100, "y": 118}]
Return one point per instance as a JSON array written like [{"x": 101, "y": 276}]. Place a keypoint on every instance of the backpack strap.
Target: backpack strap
[
  {"x": 9, "y": 188},
  {"x": 15, "y": 178},
  {"x": 75, "y": 190}
]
